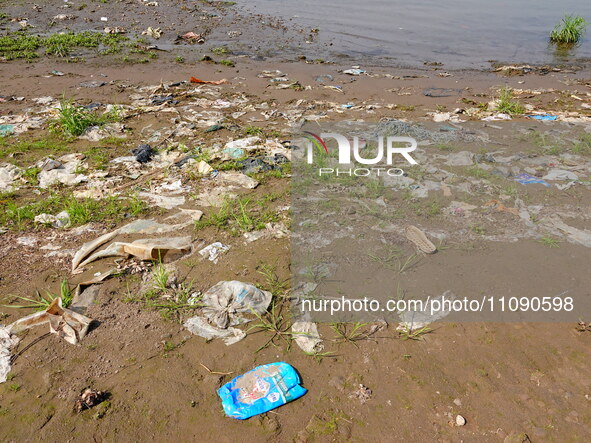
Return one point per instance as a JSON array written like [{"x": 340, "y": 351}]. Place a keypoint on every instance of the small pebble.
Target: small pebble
[{"x": 460, "y": 421}]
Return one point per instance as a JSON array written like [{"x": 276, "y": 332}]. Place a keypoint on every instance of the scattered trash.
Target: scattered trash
[
  {"x": 213, "y": 251},
  {"x": 61, "y": 220},
  {"x": 182, "y": 219},
  {"x": 223, "y": 301},
  {"x": 573, "y": 235},
  {"x": 114, "y": 30},
  {"x": 153, "y": 32},
  {"x": 543, "y": 117},
  {"x": 354, "y": 71},
  {"x": 214, "y": 128},
  {"x": 501, "y": 207},
  {"x": 89, "y": 398},
  {"x": 415, "y": 320},
  {"x": 6, "y": 130},
  {"x": 560, "y": 174},
  {"x": 362, "y": 393},
  {"x": 208, "y": 82},
  {"x": 201, "y": 327},
  {"x": 8, "y": 341},
  {"x": 260, "y": 390},
  {"x": 144, "y": 249},
  {"x": 64, "y": 322},
  {"x": 527, "y": 179},
  {"x": 8, "y": 175},
  {"x": 234, "y": 152},
  {"x": 190, "y": 37},
  {"x": 246, "y": 144},
  {"x": 222, "y": 304},
  {"x": 307, "y": 337},
  {"x": 163, "y": 201},
  {"x": 143, "y": 153},
  {"x": 420, "y": 240},
  {"x": 497, "y": 117}
]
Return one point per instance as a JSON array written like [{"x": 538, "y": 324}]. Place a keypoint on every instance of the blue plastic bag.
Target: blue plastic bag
[
  {"x": 261, "y": 389},
  {"x": 544, "y": 117}
]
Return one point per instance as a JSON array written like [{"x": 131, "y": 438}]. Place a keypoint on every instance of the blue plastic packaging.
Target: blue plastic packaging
[{"x": 261, "y": 389}]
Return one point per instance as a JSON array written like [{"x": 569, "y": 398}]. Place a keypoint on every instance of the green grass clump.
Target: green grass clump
[
  {"x": 507, "y": 104},
  {"x": 19, "y": 46},
  {"x": 23, "y": 46},
  {"x": 111, "y": 209},
  {"x": 42, "y": 302},
  {"x": 583, "y": 146},
  {"x": 74, "y": 120},
  {"x": 45, "y": 146},
  {"x": 220, "y": 50},
  {"x": 570, "y": 30},
  {"x": 241, "y": 215}
]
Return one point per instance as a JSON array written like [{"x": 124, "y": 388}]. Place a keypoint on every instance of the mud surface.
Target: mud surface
[{"x": 508, "y": 380}]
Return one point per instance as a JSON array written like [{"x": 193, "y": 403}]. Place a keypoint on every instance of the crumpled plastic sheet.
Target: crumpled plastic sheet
[
  {"x": 223, "y": 302},
  {"x": 179, "y": 221},
  {"x": 199, "y": 326},
  {"x": 213, "y": 251},
  {"x": 306, "y": 336},
  {"x": 7, "y": 342},
  {"x": 64, "y": 322},
  {"x": 67, "y": 324},
  {"x": 144, "y": 249},
  {"x": 227, "y": 298},
  {"x": 412, "y": 320}
]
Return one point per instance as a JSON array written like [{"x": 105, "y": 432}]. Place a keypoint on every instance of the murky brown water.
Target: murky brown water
[{"x": 458, "y": 33}]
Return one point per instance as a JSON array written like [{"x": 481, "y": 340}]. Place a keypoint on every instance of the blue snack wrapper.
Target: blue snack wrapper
[{"x": 261, "y": 389}]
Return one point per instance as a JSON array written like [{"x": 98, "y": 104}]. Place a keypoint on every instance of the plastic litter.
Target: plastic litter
[
  {"x": 260, "y": 390},
  {"x": 64, "y": 322},
  {"x": 201, "y": 327},
  {"x": 412, "y": 320},
  {"x": 190, "y": 37},
  {"x": 208, "y": 82},
  {"x": 354, "y": 71},
  {"x": 180, "y": 220},
  {"x": 163, "y": 201},
  {"x": 306, "y": 336},
  {"x": 153, "y": 32},
  {"x": 61, "y": 220},
  {"x": 7, "y": 342},
  {"x": 8, "y": 175},
  {"x": 543, "y": 117},
  {"x": 144, "y": 249},
  {"x": 143, "y": 153},
  {"x": 527, "y": 179},
  {"x": 560, "y": 174},
  {"x": 213, "y": 251},
  {"x": 223, "y": 304},
  {"x": 497, "y": 117},
  {"x": 89, "y": 398},
  {"x": 225, "y": 300},
  {"x": 6, "y": 130}
]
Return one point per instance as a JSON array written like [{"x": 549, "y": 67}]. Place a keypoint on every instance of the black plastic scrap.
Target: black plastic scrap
[
  {"x": 261, "y": 164},
  {"x": 143, "y": 153},
  {"x": 161, "y": 99},
  {"x": 214, "y": 128}
]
